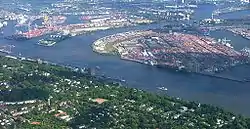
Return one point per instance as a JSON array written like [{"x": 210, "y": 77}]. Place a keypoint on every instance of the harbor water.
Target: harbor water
[{"x": 77, "y": 51}]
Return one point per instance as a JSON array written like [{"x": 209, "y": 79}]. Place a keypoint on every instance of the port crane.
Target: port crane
[{"x": 6, "y": 49}]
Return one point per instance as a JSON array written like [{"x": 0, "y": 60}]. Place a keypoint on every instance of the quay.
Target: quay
[
  {"x": 224, "y": 78},
  {"x": 191, "y": 72},
  {"x": 208, "y": 75}
]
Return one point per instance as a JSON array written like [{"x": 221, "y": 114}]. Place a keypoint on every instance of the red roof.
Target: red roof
[{"x": 35, "y": 123}]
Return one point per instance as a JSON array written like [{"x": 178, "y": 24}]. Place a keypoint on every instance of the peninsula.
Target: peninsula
[{"x": 188, "y": 52}]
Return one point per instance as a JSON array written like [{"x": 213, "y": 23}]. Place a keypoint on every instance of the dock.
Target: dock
[
  {"x": 243, "y": 80},
  {"x": 224, "y": 77}
]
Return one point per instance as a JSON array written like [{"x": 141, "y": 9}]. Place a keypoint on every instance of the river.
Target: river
[{"x": 77, "y": 51}]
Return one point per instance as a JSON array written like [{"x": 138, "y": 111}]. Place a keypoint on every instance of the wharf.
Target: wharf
[
  {"x": 212, "y": 75},
  {"x": 133, "y": 60},
  {"x": 206, "y": 74},
  {"x": 198, "y": 73},
  {"x": 224, "y": 77}
]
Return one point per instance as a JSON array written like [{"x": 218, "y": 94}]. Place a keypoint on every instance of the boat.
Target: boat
[
  {"x": 53, "y": 39},
  {"x": 45, "y": 42},
  {"x": 229, "y": 45},
  {"x": 162, "y": 88},
  {"x": 173, "y": 68},
  {"x": 122, "y": 80},
  {"x": 17, "y": 37}
]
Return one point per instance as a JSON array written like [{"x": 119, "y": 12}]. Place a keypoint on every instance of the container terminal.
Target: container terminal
[
  {"x": 75, "y": 29},
  {"x": 178, "y": 51}
]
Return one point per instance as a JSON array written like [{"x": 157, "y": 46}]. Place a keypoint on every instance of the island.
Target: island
[
  {"x": 36, "y": 94},
  {"x": 179, "y": 51}
]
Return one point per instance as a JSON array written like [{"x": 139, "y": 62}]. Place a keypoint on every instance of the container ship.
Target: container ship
[
  {"x": 17, "y": 37},
  {"x": 53, "y": 39}
]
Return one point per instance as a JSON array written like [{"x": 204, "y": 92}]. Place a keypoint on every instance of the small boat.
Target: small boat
[
  {"x": 162, "y": 88},
  {"x": 98, "y": 67},
  {"x": 123, "y": 80},
  {"x": 246, "y": 79}
]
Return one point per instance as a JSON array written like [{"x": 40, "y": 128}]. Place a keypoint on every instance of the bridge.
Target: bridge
[{"x": 6, "y": 49}]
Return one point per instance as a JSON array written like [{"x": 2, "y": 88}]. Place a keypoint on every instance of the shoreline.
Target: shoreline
[
  {"x": 132, "y": 60},
  {"x": 244, "y": 80},
  {"x": 83, "y": 70},
  {"x": 99, "y": 47}
]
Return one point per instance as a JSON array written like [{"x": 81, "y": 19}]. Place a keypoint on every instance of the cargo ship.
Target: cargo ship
[
  {"x": 17, "y": 37},
  {"x": 53, "y": 39},
  {"x": 173, "y": 68}
]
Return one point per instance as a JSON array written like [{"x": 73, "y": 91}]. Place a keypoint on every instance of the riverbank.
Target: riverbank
[{"x": 65, "y": 96}]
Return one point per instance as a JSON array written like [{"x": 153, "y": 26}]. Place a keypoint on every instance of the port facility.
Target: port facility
[{"x": 179, "y": 51}]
